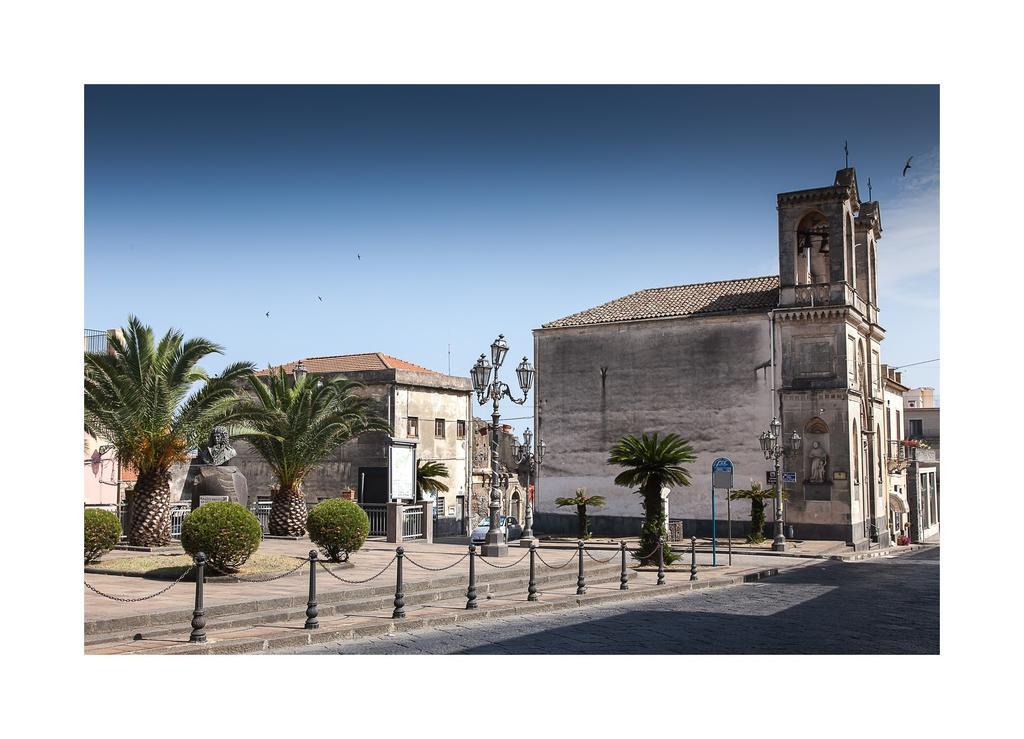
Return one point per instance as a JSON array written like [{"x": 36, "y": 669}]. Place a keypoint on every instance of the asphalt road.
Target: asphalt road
[{"x": 877, "y": 606}]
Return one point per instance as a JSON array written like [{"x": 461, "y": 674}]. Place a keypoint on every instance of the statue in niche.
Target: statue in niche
[
  {"x": 211, "y": 475},
  {"x": 819, "y": 463}
]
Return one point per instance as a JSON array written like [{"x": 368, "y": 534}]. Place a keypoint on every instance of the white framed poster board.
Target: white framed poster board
[{"x": 402, "y": 471}]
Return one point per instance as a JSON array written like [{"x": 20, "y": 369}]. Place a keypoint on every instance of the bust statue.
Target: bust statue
[
  {"x": 218, "y": 450},
  {"x": 819, "y": 463},
  {"x": 211, "y": 475}
]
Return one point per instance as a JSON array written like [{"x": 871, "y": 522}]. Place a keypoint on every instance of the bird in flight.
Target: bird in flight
[
  {"x": 906, "y": 166},
  {"x": 359, "y": 257},
  {"x": 319, "y": 298},
  {"x": 268, "y": 314}
]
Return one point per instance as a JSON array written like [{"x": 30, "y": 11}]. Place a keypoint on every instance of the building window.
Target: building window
[
  {"x": 438, "y": 428},
  {"x": 439, "y": 507},
  {"x": 413, "y": 430},
  {"x": 460, "y": 429},
  {"x": 916, "y": 428}
]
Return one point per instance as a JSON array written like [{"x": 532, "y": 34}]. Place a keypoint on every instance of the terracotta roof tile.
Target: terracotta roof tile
[
  {"x": 352, "y": 363},
  {"x": 729, "y": 296}
]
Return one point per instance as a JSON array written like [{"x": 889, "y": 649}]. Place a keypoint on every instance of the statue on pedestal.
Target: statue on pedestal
[
  {"x": 210, "y": 475},
  {"x": 819, "y": 463}
]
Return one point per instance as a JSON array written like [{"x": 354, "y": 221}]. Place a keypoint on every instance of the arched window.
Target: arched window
[{"x": 812, "y": 249}]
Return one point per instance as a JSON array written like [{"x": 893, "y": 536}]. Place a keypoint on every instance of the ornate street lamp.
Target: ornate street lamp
[
  {"x": 488, "y": 387},
  {"x": 299, "y": 371},
  {"x": 525, "y": 453},
  {"x": 773, "y": 449}
]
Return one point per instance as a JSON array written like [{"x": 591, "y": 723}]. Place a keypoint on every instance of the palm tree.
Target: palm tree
[
  {"x": 652, "y": 464},
  {"x": 295, "y": 426},
  {"x": 581, "y": 500},
  {"x": 427, "y": 474},
  {"x": 757, "y": 496},
  {"x": 139, "y": 396}
]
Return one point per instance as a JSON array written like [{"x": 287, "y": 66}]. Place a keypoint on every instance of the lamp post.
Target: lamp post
[
  {"x": 524, "y": 453},
  {"x": 774, "y": 449},
  {"x": 488, "y": 386}
]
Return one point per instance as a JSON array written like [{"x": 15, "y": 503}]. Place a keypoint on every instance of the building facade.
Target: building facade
[
  {"x": 921, "y": 416},
  {"x": 714, "y": 362},
  {"x": 430, "y": 409}
]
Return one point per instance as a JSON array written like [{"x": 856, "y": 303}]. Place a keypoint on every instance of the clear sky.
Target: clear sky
[{"x": 428, "y": 217}]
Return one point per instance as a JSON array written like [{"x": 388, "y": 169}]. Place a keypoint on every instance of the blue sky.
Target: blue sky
[{"x": 478, "y": 210}]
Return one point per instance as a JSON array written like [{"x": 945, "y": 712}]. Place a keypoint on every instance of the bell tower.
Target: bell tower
[{"x": 827, "y": 334}]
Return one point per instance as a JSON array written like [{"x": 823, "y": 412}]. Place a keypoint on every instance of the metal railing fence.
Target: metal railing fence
[
  {"x": 378, "y": 515},
  {"x": 412, "y": 523}
]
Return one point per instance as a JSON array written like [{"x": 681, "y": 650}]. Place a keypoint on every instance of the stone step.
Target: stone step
[{"x": 354, "y": 600}]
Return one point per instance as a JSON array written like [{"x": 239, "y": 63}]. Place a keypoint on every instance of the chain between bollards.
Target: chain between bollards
[
  {"x": 471, "y": 590},
  {"x": 581, "y": 581},
  {"x": 198, "y": 635},
  {"x": 531, "y": 589},
  {"x": 623, "y": 577},
  {"x": 661, "y": 561},
  {"x": 399, "y": 611},
  {"x": 693, "y": 557},
  {"x": 311, "y": 605}
]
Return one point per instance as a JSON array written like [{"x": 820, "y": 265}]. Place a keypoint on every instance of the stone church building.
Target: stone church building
[{"x": 699, "y": 360}]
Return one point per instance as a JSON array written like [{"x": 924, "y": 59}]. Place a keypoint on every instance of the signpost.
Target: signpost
[
  {"x": 402, "y": 470},
  {"x": 721, "y": 477}
]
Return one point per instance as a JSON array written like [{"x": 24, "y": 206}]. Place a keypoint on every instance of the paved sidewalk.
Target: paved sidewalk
[{"x": 261, "y": 637}]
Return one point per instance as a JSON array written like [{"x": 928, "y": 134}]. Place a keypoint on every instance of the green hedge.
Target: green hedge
[
  {"x": 339, "y": 527},
  {"x": 102, "y": 532},
  {"x": 225, "y": 532}
]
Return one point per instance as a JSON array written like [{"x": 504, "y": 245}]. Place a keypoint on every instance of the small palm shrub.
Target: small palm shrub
[
  {"x": 581, "y": 501},
  {"x": 339, "y": 527},
  {"x": 225, "y": 532},
  {"x": 102, "y": 532}
]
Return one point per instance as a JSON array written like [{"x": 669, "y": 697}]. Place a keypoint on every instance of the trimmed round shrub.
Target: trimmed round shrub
[
  {"x": 339, "y": 527},
  {"x": 102, "y": 532},
  {"x": 225, "y": 532}
]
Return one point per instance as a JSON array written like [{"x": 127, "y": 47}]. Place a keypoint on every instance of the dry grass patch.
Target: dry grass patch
[{"x": 170, "y": 566}]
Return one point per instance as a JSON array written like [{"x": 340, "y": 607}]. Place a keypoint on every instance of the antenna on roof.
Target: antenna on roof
[
  {"x": 846, "y": 153},
  {"x": 449, "y": 359},
  {"x": 869, "y": 189}
]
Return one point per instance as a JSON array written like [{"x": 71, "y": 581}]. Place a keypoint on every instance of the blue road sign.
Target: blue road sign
[
  {"x": 721, "y": 473},
  {"x": 789, "y": 477}
]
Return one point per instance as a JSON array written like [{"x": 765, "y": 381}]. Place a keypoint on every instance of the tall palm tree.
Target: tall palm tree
[
  {"x": 757, "y": 496},
  {"x": 295, "y": 426},
  {"x": 581, "y": 500},
  {"x": 652, "y": 464},
  {"x": 427, "y": 474},
  {"x": 140, "y": 397}
]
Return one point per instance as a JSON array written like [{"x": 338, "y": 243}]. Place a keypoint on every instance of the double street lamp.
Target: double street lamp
[
  {"x": 488, "y": 386},
  {"x": 774, "y": 448},
  {"x": 525, "y": 453}
]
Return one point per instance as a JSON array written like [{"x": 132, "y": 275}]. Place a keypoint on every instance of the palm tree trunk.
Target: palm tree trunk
[
  {"x": 581, "y": 513},
  {"x": 653, "y": 529},
  {"x": 150, "y": 524},
  {"x": 288, "y": 512},
  {"x": 756, "y": 519}
]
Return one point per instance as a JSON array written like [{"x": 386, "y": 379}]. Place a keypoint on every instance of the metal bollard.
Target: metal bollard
[
  {"x": 471, "y": 590},
  {"x": 311, "y": 606},
  {"x": 198, "y": 635},
  {"x": 623, "y": 577},
  {"x": 693, "y": 557},
  {"x": 661, "y": 561},
  {"x": 531, "y": 589},
  {"x": 581, "y": 581},
  {"x": 399, "y": 611}
]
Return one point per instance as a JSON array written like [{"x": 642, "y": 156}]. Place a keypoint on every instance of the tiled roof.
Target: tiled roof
[
  {"x": 729, "y": 296},
  {"x": 352, "y": 363}
]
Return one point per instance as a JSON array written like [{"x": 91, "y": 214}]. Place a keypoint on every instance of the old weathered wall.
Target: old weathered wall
[{"x": 692, "y": 376}]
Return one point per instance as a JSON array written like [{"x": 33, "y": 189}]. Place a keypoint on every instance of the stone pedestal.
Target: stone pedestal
[
  {"x": 215, "y": 480},
  {"x": 394, "y": 523}
]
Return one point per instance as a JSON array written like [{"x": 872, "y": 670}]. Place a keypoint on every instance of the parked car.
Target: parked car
[{"x": 508, "y": 525}]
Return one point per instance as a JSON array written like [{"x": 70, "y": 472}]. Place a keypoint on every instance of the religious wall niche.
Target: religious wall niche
[
  {"x": 817, "y": 460},
  {"x": 812, "y": 249}
]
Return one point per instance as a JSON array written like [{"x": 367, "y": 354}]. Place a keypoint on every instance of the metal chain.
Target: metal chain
[
  {"x": 504, "y": 567},
  {"x": 553, "y": 567},
  {"x": 358, "y": 582},
  {"x": 146, "y": 597},
  {"x": 642, "y": 556},
  {"x": 258, "y": 579},
  {"x": 601, "y": 561},
  {"x": 435, "y": 569}
]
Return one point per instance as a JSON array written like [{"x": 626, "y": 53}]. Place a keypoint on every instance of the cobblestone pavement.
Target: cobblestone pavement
[{"x": 875, "y": 606}]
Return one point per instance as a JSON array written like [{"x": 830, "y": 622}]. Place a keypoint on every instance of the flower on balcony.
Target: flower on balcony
[{"x": 916, "y": 443}]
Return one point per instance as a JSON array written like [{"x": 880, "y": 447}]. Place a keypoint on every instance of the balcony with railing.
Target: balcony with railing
[{"x": 95, "y": 341}]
